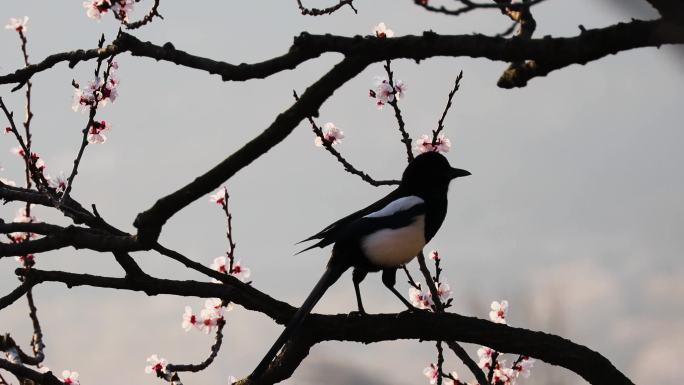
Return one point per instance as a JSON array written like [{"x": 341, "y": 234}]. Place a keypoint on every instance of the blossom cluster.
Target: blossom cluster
[
  {"x": 422, "y": 298},
  {"x": 98, "y": 92},
  {"x": 58, "y": 183},
  {"x": 424, "y": 144},
  {"x": 222, "y": 265},
  {"x": 70, "y": 377},
  {"x": 209, "y": 317},
  {"x": 433, "y": 374},
  {"x": 331, "y": 135},
  {"x": 489, "y": 360},
  {"x": 96, "y": 8},
  {"x": 386, "y": 92}
]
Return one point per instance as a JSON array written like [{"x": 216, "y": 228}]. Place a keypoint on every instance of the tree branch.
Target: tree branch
[{"x": 552, "y": 349}]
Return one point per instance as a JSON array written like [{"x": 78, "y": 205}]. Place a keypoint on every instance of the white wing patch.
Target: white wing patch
[
  {"x": 395, "y": 247},
  {"x": 396, "y": 206}
]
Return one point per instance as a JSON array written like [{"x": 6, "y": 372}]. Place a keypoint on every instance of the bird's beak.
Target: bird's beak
[{"x": 457, "y": 173}]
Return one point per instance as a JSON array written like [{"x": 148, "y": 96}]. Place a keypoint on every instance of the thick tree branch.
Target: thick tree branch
[
  {"x": 588, "y": 46},
  {"x": 552, "y": 349},
  {"x": 77, "y": 237},
  {"x": 149, "y": 222}
]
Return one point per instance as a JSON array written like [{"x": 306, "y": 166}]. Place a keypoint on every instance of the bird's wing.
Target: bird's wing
[{"x": 330, "y": 233}]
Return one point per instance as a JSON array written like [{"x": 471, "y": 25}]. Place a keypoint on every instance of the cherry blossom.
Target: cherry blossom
[
  {"x": 18, "y": 24},
  {"x": 70, "y": 378},
  {"x": 485, "y": 355},
  {"x": 209, "y": 318},
  {"x": 420, "y": 299},
  {"x": 220, "y": 265},
  {"x": 95, "y": 135},
  {"x": 96, "y": 93},
  {"x": 122, "y": 8},
  {"x": 524, "y": 366},
  {"x": 444, "y": 291},
  {"x": 453, "y": 380},
  {"x": 95, "y": 8},
  {"x": 219, "y": 198},
  {"x": 399, "y": 89},
  {"x": 381, "y": 31},
  {"x": 240, "y": 272},
  {"x": 505, "y": 376},
  {"x": 424, "y": 144},
  {"x": 18, "y": 151},
  {"x": 498, "y": 312},
  {"x": 189, "y": 319},
  {"x": 432, "y": 373},
  {"x": 59, "y": 183},
  {"x": 434, "y": 255},
  {"x": 383, "y": 93},
  {"x": 232, "y": 380},
  {"x": 156, "y": 365},
  {"x": 8, "y": 182},
  {"x": 331, "y": 135}
]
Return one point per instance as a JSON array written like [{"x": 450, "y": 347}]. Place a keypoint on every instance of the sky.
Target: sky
[{"x": 573, "y": 212}]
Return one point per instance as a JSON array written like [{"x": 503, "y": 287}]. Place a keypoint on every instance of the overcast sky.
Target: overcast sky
[{"x": 574, "y": 212}]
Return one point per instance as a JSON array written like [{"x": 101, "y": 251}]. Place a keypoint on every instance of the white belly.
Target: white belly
[{"x": 395, "y": 247}]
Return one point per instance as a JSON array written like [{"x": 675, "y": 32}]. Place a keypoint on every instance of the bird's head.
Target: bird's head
[{"x": 430, "y": 172}]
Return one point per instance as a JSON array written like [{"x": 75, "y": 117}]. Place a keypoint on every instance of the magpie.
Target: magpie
[{"x": 381, "y": 237}]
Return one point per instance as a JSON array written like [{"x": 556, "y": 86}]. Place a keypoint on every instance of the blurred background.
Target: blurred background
[{"x": 574, "y": 212}]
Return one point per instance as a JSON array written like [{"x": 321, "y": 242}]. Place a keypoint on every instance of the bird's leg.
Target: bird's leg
[
  {"x": 389, "y": 278},
  {"x": 359, "y": 275}
]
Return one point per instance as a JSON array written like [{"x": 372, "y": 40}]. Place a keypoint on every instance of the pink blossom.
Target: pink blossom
[
  {"x": 424, "y": 144},
  {"x": 219, "y": 198},
  {"x": 95, "y": 8},
  {"x": 383, "y": 93},
  {"x": 331, "y": 135},
  {"x": 96, "y": 93},
  {"x": 444, "y": 291},
  {"x": 8, "y": 182},
  {"x": 498, "y": 312},
  {"x": 70, "y": 378},
  {"x": 122, "y": 8},
  {"x": 95, "y": 135},
  {"x": 399, "y": 89},
  {"x": 420, "y": 299},
  {"x": 240, "y": 272},
  {"x": 156, "y": 365},
  {"x": 382, "y": 31},
  {"x": 18, "y": 151},
  {"x": 434, "y": 255},
  {"x": 208, "y": 320},
  {"x": 451, "y": 381},
  {"x": 59, "y": 183},
  {"x": 485, "y": 355},
  {"x": 432, "y": 373},
  {"x": 505, "y": 376},
  {"x": 189, "y": 319},
  {"x": 524, "y": 366},
  {"x": 220, "y": 265},
  {"x": 18, "y": 24},
  {"x": 231, "y": 380}
]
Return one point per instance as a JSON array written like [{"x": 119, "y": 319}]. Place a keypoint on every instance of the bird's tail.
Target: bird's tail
[{"x": 332, "y": 272}]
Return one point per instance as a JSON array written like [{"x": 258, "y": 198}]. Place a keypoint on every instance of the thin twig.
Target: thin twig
[
  {"x": 91, "y": 119},
  {"x": 405, "y": 138},
  {"x": 215, "y": 348},
  {"x": 347, "y": 166},
  {"x": 440, "y": 124},
  {"x": 325, "y": 11},
  {"x": 147, "y": 18},
  {"x": 37, "y": 340}
]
